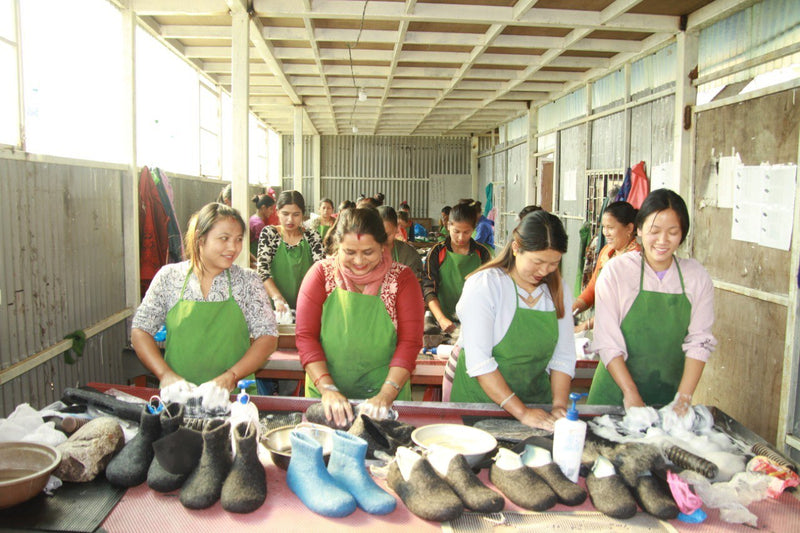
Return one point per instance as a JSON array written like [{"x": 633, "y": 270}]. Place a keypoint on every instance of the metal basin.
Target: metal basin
[
  {"x": 472, "y": 443},
  {"x": 25, "y": 468},
  {"x": 278, "y": 442}
]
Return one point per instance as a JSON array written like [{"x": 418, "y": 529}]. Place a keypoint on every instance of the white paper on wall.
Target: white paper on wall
[
  {"x": 569, "y": 191},
  {"x": 763, "y": 204},
  {"x": 662, "y": 176},
  {"x": 725, "y": 179}
]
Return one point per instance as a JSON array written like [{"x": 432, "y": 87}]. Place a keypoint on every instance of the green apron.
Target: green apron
[
  {"x": 454, "y": 269},
  {"x": 522, "y": 357},
  {"x": 204, "y": 339},
  {"x": 288, "y": 268},
  {"x": 654, "y": 330},
  {"x": 322, "y": 230},
  {"x": 359, "y": 340}
]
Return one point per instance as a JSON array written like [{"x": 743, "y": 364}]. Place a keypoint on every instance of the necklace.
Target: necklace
[{"x": 529, "y": 299}]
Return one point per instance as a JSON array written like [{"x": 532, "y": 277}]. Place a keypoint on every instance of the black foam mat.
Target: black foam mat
[{"x": 75, "y": 507}]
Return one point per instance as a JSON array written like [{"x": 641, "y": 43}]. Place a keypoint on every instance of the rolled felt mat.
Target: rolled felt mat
[
  {"x": 104, "y": 402},
  {"x": 686, "y": 459}
]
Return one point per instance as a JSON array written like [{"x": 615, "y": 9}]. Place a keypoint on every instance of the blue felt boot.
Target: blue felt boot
[
  {"x": 347, "y": 467},
  {"x": 311, "y": 482}
]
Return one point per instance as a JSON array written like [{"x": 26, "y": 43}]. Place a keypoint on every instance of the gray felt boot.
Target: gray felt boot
[
  {"x": 204, "y": 486},
  {"x": 519, "y": 483},
  {"x": 129, "y": 467},
  {"x": 245, "y": 489},
  {"x": 158, "y": 478},
  {"x": 456, "y": 472},
  {"x": 609, "y": 494},
  {"x": 422, "y": 490}
]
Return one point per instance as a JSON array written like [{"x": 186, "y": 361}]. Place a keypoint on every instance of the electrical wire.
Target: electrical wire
[{"x": 350, "y": 57}]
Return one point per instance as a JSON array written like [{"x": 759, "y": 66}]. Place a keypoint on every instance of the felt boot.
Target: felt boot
[
  {"x": 609, "y": 494},
  {"x": 245, "y": 488},
  {"x": 519, "y": 483},
  {"x": 204, "y": 485},
  {"x": 541, "y": 461},
  {"x": 347, "y": 467},
  {"x": 316, "y": 415},
  {"x": 422, "y": 490},
  {"x": 180, "y": 451},
  {"x": 654, "y": 498},
  {"x": 157, "y": 477},
  {"x": 129, "y": 467},
  {"x": 382, "y": 435},
  {"x": 456, "y": 472},
  {"x": 311, "y": 482}
]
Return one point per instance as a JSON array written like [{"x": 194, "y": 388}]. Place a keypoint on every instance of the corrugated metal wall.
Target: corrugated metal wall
[
  {"x": 653, "y": 71},
  {"x": 608, "y": 141},
  {"x": 651, "y": 132},
  {"x": 572, "y": 156},
  {"x": 414, "y": 191},
  {"x": 62, "y": 270}
]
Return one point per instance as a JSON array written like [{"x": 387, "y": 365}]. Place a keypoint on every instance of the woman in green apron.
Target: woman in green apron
[
  {"x": 449, "y": 263},
  {"x": 517, "y": 345},
  {"x": 287, "y": 251},
  {"x": 654, "y": 314},
  {"x": 211, "y": 309},
  {"x": 359, "y": 320},
  {"x": 325, "y": 220}
]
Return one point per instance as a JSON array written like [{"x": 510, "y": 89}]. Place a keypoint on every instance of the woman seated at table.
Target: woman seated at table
[
  {"x": 210, "y": 306},
  {"x": 516, "y": 335},
  {"x": 654, "y": 315},
  {"x": 619, "y": 230},
  {"x": 359, "y": 320},
  {"x": 287, "y": 251},
  {"x": 449, "y": 263}
]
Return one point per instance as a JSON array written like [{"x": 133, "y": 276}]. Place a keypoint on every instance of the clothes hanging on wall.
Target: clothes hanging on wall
[
  {"x": 586, "y": 234},
  {"x": 153, "y": 236},
  {"x": 640, "y": 185},
  {"x": 173, "y": 226}
]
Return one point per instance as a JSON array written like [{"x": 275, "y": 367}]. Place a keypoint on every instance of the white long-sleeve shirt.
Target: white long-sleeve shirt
[{"x": 486, "y": 309}]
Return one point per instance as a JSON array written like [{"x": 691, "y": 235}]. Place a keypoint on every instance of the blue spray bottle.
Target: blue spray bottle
[{"x": 568, "y": 439}]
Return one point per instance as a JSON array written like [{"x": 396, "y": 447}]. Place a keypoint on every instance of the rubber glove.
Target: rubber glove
[
  {"x": 179, "y": 391},
  {"x": 214, "y": 397}
]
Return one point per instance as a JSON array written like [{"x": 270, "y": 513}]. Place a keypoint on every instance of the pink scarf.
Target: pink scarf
[{"x": 371, "y": 280}]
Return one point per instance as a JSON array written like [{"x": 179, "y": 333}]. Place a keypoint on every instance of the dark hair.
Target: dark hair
[
  {"x": 292, "y": 198},
  {"x": 367, "y": 201},
  {"x": 528, "y": 209},
  {"x": 327, "y": 201},
  {"x": 538, "y": 231},
  {"x": 404, "y": 205},
  {"x": 388, "y": 214},
  {"x": 464, "y": 213},
  {"x": 200, "y": 224},
  {"x": 379, "y": 198},
  {"x": 446, "y": 210},
  {"x": 624, "y": 212},
  {"x": 346, "y": 204},
  {"x": 224, "y": 194},
  {"x": 262, "y": 200},
  {"x": 661, "y": 200},
  {"x": 404, "y": 216},
  {"x": 364, "y": 220}
]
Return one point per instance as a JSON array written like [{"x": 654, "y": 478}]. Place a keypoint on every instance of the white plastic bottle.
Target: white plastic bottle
[{"x": 568, "y": 439}]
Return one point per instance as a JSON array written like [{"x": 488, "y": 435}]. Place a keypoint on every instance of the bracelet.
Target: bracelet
[
  {"x": 316, "y": 381},
  {"x": 504, "y": 402},
  {"x": 330, "y": 387},
  {"x": 393, "y": 384}
]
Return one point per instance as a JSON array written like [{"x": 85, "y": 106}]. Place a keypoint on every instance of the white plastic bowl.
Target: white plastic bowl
[{"x": 472, "y": 443}]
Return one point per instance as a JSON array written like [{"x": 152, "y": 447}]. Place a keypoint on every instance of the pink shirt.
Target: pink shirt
[{"x": 618, "y": 286}]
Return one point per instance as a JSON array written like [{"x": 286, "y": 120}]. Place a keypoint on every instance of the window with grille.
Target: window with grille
[{"x": 599, "y": 184}]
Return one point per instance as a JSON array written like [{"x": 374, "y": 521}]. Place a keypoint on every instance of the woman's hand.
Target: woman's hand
[
  {"x": 337, "y": 408},
  {"x": 280, "y": 305},
  {"x": 226, "y": 380},
  {"x": 538, "y": 418},
  {"x": 632, "y": 399},
  {"x": 446, "y": 324},
  {"x": 168, "y": 378},
  {"x": 378, "y": 406},
  {"x": 558, "y": 411}
]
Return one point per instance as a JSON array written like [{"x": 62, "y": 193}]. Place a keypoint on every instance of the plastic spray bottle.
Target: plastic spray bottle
[{"x": 568, "y": 439}]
